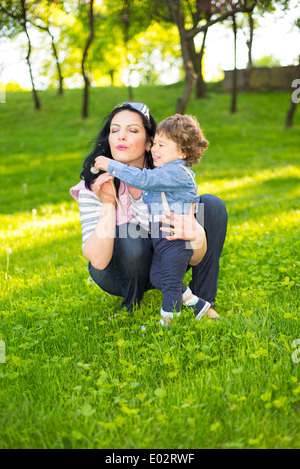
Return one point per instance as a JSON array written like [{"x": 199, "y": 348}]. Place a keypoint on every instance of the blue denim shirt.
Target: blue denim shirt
[{"x": 172, "y": 179}]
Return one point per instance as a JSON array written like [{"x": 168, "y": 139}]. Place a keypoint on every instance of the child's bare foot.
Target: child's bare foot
[
  {"x": 212, "y": 314},
  {"x": 117, "y": 315},
  {"x": 167, "y": 320}
]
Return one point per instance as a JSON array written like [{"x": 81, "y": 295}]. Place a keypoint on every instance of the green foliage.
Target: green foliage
[
  {"x": 71, "y": 378},
  {"x": 124, "y": 41},
  {"x": 9, "y": 19},
  {"x": 266, "y": 61}
]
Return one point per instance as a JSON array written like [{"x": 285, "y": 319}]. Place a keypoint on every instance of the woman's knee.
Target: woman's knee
[{"x": 214, "y": 210}]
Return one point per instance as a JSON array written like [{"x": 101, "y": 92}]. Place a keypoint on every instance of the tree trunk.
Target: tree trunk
[
  {"x": 130, "y": 93},
  {"x": 47, "y": 29},
  {"x": 85, "y": 105},
  {"x": 190, "y": 74},
  {"x": 126, "y": 18},
  {"x": 111, "y": 74},
  {"x": 290, "y": 114},
  {"x": 250, "y": 40},
  {"x": 234, "y": 75},
  {"x": 36, "y": 100},
  {"x": 197, "y": 58},
  {"x": 60, "y": 77}
]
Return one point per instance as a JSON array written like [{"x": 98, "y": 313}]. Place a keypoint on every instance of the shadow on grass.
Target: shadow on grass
[{"x": 272, "y": 198}]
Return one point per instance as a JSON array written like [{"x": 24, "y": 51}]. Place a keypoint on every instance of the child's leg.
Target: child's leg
[
  {"x": 188, "y": 297},
  {"x": 168, "y": 268},
  {"x": 198, "y": 305},
  {"x": 205, "y": 275},
  {"x": 155, "y": 276}
]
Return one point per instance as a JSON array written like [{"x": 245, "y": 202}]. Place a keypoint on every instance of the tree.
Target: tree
[
  {"x": 234, "y": 77},
  {"x": 14, "y": 14},
  {"x": 180, "y": 11},
  {"x": 129, "y": 17},
  {"x": 24, "y": 7},
  {"x": 41, "y": 16},
  {"x": 84, "y": 56},
  {"x": 248, "y": 23},
  {"x": 126, "y": 18},
  {"x": 264, "y": 5},
  {"x": 249, "y": 41}
]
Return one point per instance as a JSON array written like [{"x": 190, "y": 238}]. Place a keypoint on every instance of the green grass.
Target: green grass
[{"x": 73, "y": 380}]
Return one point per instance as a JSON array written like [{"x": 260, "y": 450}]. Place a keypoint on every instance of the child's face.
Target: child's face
[{"x": 165, "y": 150}]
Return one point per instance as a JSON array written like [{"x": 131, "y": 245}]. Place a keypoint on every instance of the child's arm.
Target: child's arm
[{"x": 156, "y": 180}]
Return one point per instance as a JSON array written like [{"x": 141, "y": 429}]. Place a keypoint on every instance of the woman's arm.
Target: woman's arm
[
  {"x": 186, "y": 227},
  {"x": 199, "y": 245},
  {"x": 98, "y": 248}
]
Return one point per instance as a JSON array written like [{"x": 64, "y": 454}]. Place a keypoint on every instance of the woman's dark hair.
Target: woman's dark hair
[{"x": 102, "y": 146}]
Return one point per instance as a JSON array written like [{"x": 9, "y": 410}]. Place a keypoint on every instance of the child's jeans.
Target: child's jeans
[{"x": 169, "y": 264}]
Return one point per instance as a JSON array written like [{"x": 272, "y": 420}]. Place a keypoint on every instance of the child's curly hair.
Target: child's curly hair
[{"x": 186, "y": 132}]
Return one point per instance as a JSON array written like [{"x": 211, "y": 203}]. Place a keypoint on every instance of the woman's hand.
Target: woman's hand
[
  {"x": 103, "y": 188},
  {"x": 102, "y": 162},
  {"x": 180, "y": 226}
]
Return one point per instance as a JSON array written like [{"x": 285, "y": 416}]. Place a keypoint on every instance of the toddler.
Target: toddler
[{"x": 179, "y": 143}]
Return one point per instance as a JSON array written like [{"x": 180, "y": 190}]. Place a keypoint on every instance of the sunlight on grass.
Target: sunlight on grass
[
  {"x": 27, "y": 229},
  {"x": 231, "y": 186}
]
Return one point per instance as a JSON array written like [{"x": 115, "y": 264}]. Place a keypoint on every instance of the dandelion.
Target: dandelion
[
  {"x": 8, "y": 252},
  {"x": 34, "y": 212}
]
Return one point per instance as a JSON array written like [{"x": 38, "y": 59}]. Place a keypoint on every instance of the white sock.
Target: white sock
[
  {"x": 188, "y": 292},
  {"x": 168, "y": 315},
  {"x": 192, "y": 301}
]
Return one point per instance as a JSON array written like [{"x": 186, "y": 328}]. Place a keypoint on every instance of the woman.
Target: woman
[{"x": 115, "y": 235}]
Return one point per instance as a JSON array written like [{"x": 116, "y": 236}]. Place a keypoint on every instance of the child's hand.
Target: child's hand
[{"x": 102, "y": 162}]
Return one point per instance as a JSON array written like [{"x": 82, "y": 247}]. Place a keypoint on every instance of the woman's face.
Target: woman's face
[{"x": 127, "y": 138}]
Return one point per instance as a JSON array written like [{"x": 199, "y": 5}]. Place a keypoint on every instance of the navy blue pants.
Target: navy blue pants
[
  {"x": 128, "y": 273},
  {"x": 169, "y": 264}
]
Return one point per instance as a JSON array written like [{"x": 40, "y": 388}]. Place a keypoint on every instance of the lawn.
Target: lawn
[{"x": 71, "y": 379}]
